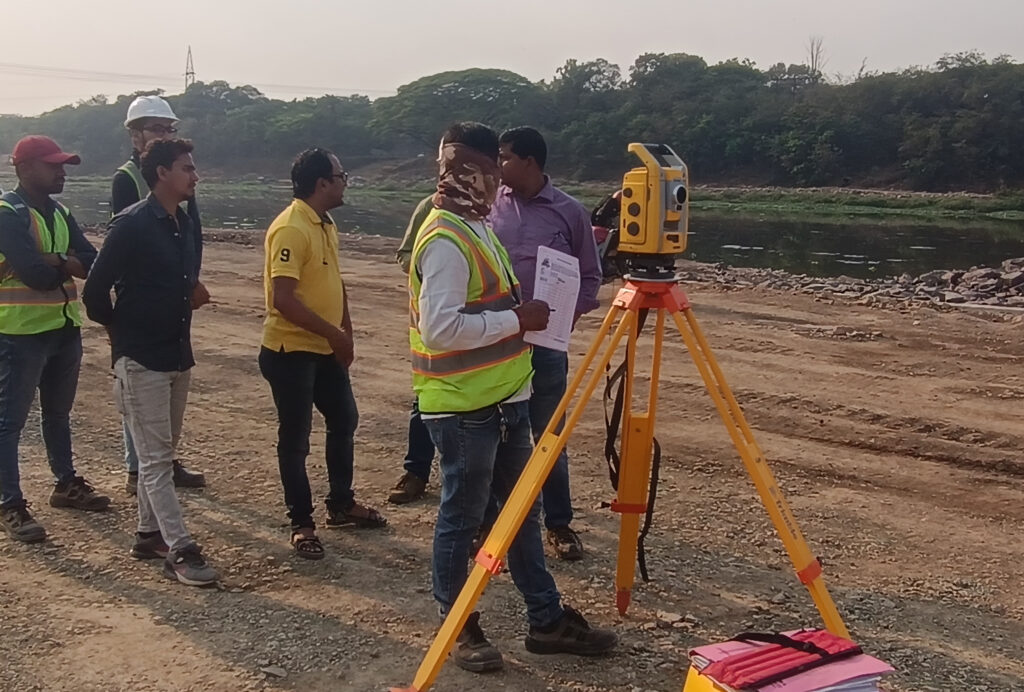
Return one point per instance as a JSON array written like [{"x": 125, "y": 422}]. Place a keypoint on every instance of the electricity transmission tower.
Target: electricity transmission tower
[{"x": 190, "y": 70}]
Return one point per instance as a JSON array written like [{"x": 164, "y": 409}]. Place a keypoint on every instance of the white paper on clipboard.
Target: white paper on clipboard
[{"x": 557, "y": 283}]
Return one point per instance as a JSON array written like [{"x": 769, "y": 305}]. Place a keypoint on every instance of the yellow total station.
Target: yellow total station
[{"x": 654, "y": 212}]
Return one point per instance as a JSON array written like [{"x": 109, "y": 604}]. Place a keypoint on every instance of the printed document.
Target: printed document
[{"x": 557, "y": 284}]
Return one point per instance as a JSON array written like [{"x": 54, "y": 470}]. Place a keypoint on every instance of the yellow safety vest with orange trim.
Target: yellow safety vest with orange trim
[
  {"x": 24, "y": 310},
  {"x": 460, "y": 381}
]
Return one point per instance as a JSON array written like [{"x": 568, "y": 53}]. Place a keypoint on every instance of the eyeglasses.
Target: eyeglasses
[
  {"x": 343, "y": 175},
  {"x": 161, "y": 129}
]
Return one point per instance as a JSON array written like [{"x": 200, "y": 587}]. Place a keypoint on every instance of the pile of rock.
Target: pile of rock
[{"x": 995, "y": 286}]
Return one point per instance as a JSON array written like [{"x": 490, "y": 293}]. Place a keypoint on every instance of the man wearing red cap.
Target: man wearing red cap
[{"x": 42, "y": 251}]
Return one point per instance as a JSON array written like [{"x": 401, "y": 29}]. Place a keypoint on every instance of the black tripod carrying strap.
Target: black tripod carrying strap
[{"x": 614, "y": 394}]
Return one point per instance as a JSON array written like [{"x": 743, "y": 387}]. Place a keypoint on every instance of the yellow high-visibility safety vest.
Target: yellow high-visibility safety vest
[
  {"x": 460, "y": 381},
  {"x": 24, "y": 310}
]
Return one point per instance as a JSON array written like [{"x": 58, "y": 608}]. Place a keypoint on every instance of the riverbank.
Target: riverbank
[
  {"x": 379, "y": 189},
  {"x": 1000, "y": 289},
  {"x": 847, "y": 202}
]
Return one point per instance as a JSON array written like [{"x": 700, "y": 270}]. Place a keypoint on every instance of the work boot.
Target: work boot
[
  {"x": 473, "y": 652},
  {"x": 188, "y": 566},
  {"x": 570, "y": 634},
  {"x": 409, "y": 489},
  {"x": 566, "y": 542},
  {"x": 149, "y": 546},
  {"x": 20, "y": 525},
  {"x": 183, "y": 478},
  {"x": 78, "y": 494}
]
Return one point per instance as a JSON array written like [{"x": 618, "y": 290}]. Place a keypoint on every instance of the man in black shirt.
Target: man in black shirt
[
  {"x": 149, "y": 258},
  {"x": 150, "y": 118}
]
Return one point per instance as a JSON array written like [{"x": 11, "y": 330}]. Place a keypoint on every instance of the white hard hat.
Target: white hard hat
[{"x": 149, "y": 107}]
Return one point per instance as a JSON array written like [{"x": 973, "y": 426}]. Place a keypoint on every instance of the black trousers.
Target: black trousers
[{"x": 300, "y": 380}]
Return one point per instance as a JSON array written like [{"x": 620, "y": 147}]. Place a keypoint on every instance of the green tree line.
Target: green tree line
[{"x": 947, "y": 126}]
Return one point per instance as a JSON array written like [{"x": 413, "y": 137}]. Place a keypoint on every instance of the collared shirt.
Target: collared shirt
[
  {"x": 149, "y": 259},
  {"x": 552, "y": 219},
  {"x": 21, "y": 253},
  {"x": 302, "y": 246},
  {"x": 124, "y": 193}
]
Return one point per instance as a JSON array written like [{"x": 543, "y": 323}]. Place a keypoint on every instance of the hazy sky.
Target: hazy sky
[{"x": 60, "y": 51}]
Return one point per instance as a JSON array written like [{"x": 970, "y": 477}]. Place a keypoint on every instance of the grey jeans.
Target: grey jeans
[{"x": 153, "y": 403}]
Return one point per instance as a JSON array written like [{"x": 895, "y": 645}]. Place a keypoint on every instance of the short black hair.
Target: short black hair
[
  {"x": 475, "y": 136},
  {"x": 526, "y": 142},
  {"x": 161, "y": 152},
  {"x": 309, "y": 167}
]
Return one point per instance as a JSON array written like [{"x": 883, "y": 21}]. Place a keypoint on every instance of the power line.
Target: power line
[
  {"x": 95, "y": 76},
  {"x": 66, "y": 73}
]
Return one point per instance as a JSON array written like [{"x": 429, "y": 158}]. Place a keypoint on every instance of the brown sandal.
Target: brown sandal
[
  {"x": 307, "y": 547},
  {"x": 357, "y": 516}
]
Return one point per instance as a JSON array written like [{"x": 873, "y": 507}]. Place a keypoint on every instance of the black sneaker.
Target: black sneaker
[
  {"x": 570, "y": 634},
  {"x": 409, "y": 489},
  {"x": 566, "y": 542},
  {"x": 188, "y": 566},
  {"x": 20, "y": 525},
  {"x": 78, "y": 494},
  {"x": 149, "y": 547},
  {"x": 183, "y": 478},
  {"x": 473, "y": 652}
]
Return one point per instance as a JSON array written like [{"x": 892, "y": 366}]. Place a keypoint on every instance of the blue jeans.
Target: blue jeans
[
  {"x": 420, "y": 454},
  {"x": 48, "y": 362},
  {"x": 550, "y": 373},
  {"x": 475, "y": 462},
  {"x": 131, "y": 457}
]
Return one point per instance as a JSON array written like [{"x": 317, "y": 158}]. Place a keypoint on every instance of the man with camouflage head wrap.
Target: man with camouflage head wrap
[{"x": 472, "y": 375}]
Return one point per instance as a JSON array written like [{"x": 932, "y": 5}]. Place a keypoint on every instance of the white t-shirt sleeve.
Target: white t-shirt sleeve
[{"x": 443, "y": 326}]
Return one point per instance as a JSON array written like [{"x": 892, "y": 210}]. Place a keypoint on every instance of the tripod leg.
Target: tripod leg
[
  {"x": 807, "y": 567},
  {"x": 513, "y": 514},
  {"x": 635, "y": 472}
]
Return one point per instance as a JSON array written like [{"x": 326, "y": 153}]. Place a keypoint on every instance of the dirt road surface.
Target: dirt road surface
[{"x": 898, "y": 439}]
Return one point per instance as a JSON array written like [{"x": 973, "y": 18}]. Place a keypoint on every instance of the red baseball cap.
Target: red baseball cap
[{"x": 40, "y": 148}]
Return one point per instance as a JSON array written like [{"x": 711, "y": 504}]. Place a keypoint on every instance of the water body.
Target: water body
[
  {"x": 860, "y": 249},
  {"x": 863, "y": 248}
]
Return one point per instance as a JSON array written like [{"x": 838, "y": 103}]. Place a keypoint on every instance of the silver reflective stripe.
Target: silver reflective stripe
[{"x": 455, "y": 362}]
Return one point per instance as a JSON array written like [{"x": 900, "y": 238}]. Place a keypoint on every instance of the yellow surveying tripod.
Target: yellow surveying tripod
[{"x": 653, "y": 288}]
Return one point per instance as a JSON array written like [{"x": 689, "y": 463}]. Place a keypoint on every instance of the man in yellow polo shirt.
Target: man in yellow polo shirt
[{"x": 307, "y": 348}]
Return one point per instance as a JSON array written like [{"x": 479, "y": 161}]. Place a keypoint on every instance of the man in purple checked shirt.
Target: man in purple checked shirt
[{"x": 528, "y": 213}]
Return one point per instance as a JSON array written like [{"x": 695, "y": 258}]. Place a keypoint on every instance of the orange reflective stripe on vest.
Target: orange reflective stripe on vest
[{"x": 490, "y": 280}]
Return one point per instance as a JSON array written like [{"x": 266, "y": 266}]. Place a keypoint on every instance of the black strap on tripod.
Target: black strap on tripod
[{"x": 614, "y": 394}]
